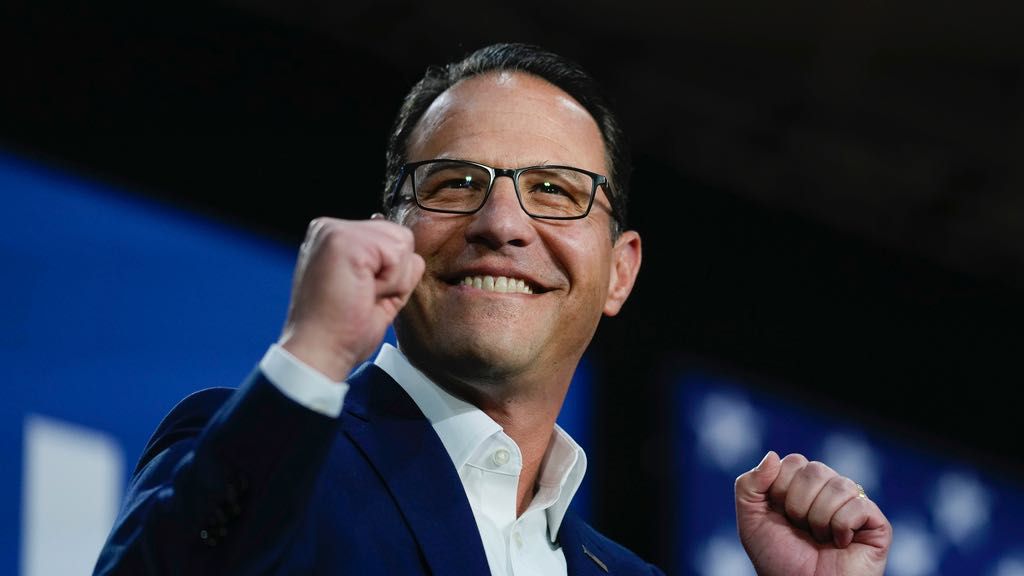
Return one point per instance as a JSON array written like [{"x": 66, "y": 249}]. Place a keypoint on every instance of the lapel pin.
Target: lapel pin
[{"x": 595, "y": 559}]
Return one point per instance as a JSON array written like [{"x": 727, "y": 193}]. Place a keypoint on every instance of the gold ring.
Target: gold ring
[{"x": 860, "y": 492}]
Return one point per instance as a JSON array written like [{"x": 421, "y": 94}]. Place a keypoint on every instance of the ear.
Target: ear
[{"x": 626, "y": 256}]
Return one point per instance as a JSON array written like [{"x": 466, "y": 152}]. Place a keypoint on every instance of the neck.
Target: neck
[
  {"x": 527, "y": 415},
  {"x": 532, "y": 432},
  {"x": 524, "y": 403}
]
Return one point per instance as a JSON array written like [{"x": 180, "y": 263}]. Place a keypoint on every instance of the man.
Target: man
[{"x": 503, "y": 245}]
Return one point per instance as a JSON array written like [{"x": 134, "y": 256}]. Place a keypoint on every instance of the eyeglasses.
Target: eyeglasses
[{"x": 462, "y": 187}]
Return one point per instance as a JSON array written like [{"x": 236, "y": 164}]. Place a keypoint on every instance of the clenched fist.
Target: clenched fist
[
  {"x": 351, "y": 279},
  {"x": 800, "y": 518}
]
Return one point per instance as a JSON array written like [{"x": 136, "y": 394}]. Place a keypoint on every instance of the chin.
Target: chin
[
  {"x": 468, "y": 358},
  {"x": 468, "y": 345}
]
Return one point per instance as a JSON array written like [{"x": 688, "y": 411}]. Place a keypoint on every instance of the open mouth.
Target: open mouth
[{"x": 503, "y": 284}]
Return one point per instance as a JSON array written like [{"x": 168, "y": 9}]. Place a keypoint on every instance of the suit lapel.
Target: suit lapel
[
  {"x": 584, "y": 556},
  {"x": 404, "y": 449}
]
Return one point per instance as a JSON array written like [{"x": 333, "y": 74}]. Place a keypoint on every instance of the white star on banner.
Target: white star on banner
[
  {"x": 853, "y": 458},
  {"x": 1009, "y": 566},
  {"x": 961, "y": 507},
  {"x": 728, "y": 432},
  {"x": 915, "y": 551},
  {"x": 723, "y": 556}
]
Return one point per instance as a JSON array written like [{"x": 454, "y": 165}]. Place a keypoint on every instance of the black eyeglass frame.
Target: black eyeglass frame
[{"x": 596, "y": 179}]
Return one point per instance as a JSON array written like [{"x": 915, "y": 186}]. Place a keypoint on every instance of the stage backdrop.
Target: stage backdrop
[{"x": 116, "y": 307}]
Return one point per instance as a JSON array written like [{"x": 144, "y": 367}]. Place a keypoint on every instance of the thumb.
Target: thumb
[{"x": 752, "y": 486}]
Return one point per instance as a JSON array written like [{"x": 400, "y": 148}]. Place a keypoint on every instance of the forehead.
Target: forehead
[{"x": 508, "y": 119}]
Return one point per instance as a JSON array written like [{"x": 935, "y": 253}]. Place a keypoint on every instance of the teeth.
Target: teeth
[{"x": 499, "y": 284}]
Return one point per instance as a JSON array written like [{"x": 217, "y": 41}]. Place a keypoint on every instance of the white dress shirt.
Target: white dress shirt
[{"x": 487, "y": 460}]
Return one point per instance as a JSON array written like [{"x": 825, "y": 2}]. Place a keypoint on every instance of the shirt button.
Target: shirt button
[
  {"x": 518, "y": 538},
  {"x": 501, "y": 457}
]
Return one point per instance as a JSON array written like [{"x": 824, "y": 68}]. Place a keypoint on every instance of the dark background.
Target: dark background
[{"x": 829, "y": 195}]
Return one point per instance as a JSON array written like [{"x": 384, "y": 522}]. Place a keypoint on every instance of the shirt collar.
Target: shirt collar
[
  {"x": 462, "y": 428},
  {"x": 564, "y": 465}
]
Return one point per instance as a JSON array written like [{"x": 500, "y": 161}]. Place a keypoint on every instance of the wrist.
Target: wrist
[{"x": 312, "y": 351}]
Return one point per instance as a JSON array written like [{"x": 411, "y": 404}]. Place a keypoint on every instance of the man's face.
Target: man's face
[{"x": 575, "y": 273}]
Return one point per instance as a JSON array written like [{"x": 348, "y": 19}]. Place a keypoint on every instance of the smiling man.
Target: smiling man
[{"x": 502, "y": 242}]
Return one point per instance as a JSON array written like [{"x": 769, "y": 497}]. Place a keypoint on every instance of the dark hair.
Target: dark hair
[{"x": 567, "y": 75}]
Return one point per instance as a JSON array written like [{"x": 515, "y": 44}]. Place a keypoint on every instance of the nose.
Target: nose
[{"x": 501, "y": 220}]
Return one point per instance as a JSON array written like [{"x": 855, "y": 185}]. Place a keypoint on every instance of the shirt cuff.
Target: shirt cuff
[{"x": 302, "y": 383}]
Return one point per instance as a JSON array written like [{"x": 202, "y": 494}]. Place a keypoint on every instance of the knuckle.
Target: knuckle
[
  {"x": 795, "y": 459},
  {"x": 845, "y": 485},
  {"x": 318, "y": 223},
  {"x": 332, "y": 232},
  {"x": 815, "y": 469}
]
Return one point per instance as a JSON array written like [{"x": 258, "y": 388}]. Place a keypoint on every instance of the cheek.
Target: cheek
[
  {"x": 430, "y": 237},
  {"x": 438, "y": 243},
  {"x": 586, "y": 259}
]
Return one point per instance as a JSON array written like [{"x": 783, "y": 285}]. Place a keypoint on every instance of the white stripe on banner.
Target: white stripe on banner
[{"x": 71, "y": 490}]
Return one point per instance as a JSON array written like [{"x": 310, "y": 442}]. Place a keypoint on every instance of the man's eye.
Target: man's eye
[
  {"x": 549, "y": 188},
  {"x": 456, "y": 183},
  {"x": 467, "y": 182}
]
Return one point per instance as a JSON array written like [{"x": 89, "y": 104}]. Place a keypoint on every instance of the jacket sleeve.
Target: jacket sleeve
[{"x": 220, "y": 485}]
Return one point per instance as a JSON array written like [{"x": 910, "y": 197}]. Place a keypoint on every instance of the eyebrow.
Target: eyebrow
[{"x": 506, "y": 165}]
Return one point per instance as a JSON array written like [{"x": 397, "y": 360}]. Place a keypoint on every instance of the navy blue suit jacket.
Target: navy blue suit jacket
[{"x": 247, "y": 481}]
